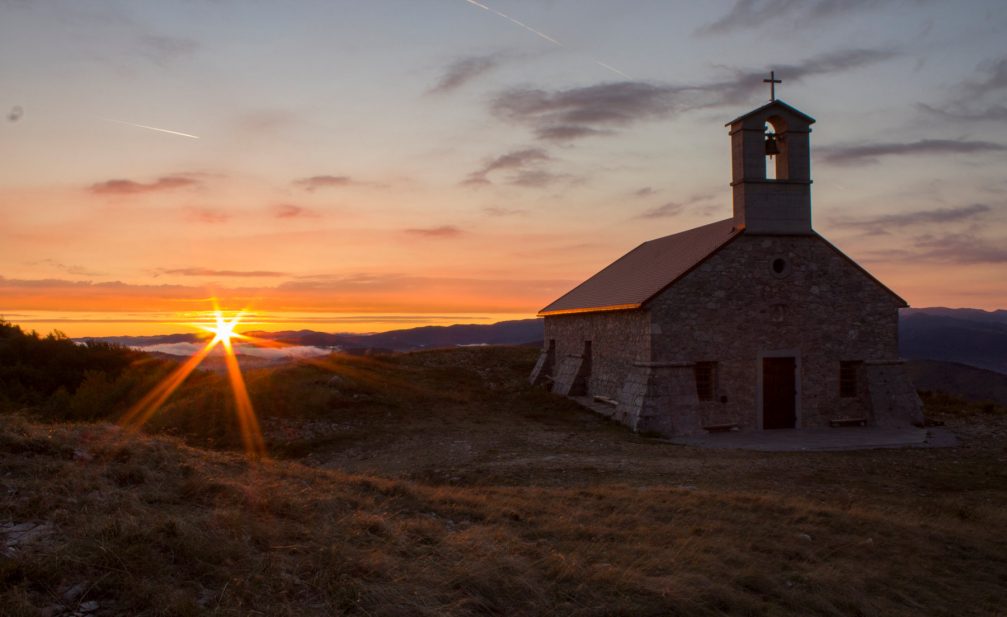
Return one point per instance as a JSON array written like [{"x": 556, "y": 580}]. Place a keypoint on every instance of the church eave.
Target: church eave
[{"x": 590, "y": 309}]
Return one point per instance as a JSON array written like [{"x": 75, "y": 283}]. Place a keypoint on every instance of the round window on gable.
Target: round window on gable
[{"x": 780, "y": 267}]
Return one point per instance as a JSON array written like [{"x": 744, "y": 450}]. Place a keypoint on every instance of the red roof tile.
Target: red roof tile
[{"x": 643, "y": 272}]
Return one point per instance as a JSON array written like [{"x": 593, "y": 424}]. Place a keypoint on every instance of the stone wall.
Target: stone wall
[
  {"x": 734, "y": 309},
  {"x": 893, "y": 397},
  {"x": 651, "y": 390},
  {"x": 618, "y": 339}
]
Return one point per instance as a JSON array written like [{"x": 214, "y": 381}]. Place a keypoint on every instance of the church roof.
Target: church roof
[
  {"x": 774, "y": 103},
  {"x": 642, "y": 273}
]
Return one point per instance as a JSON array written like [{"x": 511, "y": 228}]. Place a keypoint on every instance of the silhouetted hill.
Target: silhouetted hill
[
  {"x": 968, "y": 382},
  {"x": 426, "y": 337},
  {"x": 966, "y": 336}
]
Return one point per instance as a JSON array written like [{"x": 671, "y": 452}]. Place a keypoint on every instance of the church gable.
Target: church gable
[
  {"x": 756, "y": 271},
  {"x": 898, "y": 299}
]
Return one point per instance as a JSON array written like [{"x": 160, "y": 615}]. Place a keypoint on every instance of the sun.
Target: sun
[{"x": 223, "y": 332}]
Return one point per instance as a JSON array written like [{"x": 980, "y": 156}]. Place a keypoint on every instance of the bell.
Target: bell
[{"x": 772, "y": 148}]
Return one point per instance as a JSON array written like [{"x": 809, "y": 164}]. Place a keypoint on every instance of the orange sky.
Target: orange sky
[{"x": 384, "y": 165}]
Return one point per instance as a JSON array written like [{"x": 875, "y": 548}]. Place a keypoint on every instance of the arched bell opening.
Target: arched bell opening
[{"x": 776, "y": 148}]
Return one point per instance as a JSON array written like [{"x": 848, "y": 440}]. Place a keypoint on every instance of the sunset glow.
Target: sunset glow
[{"x": 396, "y": 164}]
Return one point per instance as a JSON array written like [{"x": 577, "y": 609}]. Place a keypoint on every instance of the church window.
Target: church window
[
  {"x": 848, "y": 378},
  {"x": 780, "y": 267},
  {"x": 706, "y": 380}
]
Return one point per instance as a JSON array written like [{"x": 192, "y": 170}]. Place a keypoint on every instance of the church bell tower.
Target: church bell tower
[{"x": 771, "y": 169}]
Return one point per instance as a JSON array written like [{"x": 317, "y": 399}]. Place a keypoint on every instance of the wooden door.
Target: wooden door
[{"x": 779, "y": 392}]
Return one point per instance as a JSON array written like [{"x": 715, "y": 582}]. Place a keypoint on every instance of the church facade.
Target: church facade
[{"x": 753, "y": 322}]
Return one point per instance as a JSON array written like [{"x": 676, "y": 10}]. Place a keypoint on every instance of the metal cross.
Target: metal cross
[{"x": 772, "y": 81}]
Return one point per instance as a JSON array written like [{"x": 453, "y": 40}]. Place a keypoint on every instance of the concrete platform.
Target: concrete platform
[{"x": 823, "y": 439}]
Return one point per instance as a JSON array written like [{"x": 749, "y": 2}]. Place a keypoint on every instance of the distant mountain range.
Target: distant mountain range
[
  {"x": 965, "y": 336},
  {"x": 516, "y": 332},
  {"x": 971, "y": 337}
]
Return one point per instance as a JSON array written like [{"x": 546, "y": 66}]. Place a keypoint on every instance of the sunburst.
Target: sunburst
[{"x": 223, "y": 334}]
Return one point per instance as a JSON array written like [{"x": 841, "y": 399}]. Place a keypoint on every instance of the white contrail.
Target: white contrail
[
  {"x": 151, "y": 128},
  {"x": 514, "y": 21},
  {"x": 541, "y": 34},
  {"x": 612, "y": 68}
]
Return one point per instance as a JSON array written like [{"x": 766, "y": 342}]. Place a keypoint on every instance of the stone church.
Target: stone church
[{"x": 753, "y": 322}]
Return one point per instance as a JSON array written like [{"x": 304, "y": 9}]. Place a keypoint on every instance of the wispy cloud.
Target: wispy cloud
[
  {"x": 917, "y": 217},
  {"x": 747, "y": 14},
  {"x": 55, "y": 283},
  {"x": 965, "y": 248},
  {"x": 206, "y": 215},
  {"x": 131, "y": 187},
  {"x": 443, "y": 231},
  {"x": 673, "y": 208},
  {"x": 516, "y": 160},
  {"x": 15, "y": 113},
  {"x": 994, "y": 78},
  {"x": 499, "y": 211},
  {"x": 536, "y": 178},
  {"x": 266, "y": 121},
  {"x": 644, "y": 192},
  {"x": 883, "y": 224},
  {"x": 978, "y": 99},
  {"x": 324, "y": 182},
  {"x": 290, "y": 211},
  {"x": 69, "y": 269},
  {"x": 464, "y": 70},
  {"x": 663, "y": 211},
  {"x": 995, "y": 113},
  {"x": 575, "y": 113},
  {"x": 860, "y": 154},
  {"x": 162, "y": 50},
  {"x": 213, "y": 272}
]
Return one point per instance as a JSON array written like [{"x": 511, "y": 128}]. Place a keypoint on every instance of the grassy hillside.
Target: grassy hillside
[
  {"x": 150, "y": 526},
  {"x": 436, "y": 483}
]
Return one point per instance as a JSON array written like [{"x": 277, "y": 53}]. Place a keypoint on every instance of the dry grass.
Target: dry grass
[{"x": 542, "y": 510}]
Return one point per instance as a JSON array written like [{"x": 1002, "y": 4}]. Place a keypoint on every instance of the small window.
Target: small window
[
  {"x": 848, "y": 370},
  {"x": 780, "y": 267},
  {"x": 706, "y": 380}
]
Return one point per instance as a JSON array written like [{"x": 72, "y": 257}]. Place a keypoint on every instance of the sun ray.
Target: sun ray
[
  {"x": 223, "y": 334},
  {"x": 248, "y": 423},
  {"x": 142, "y": 411}
]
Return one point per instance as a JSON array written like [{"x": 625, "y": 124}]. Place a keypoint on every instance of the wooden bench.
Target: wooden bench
[
  {"x": 720, "y": 428},
  {"x": 836, "y": 422}
]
